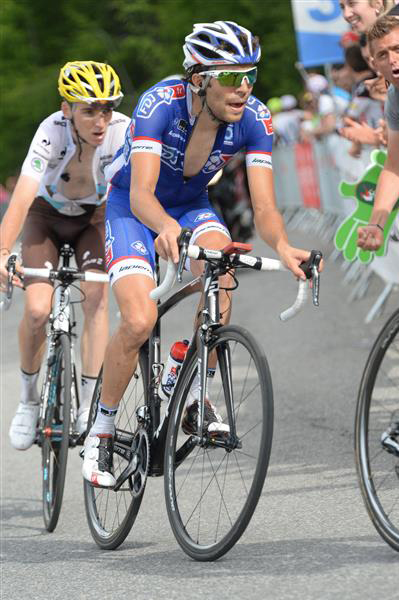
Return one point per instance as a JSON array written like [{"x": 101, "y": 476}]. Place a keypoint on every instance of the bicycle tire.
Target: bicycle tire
[
  {"x": 377, "y": 409},
  {"x": 196, "y": 538},
  {"x": 54, "y": 435},
  {"x": 110, "y": 532}
]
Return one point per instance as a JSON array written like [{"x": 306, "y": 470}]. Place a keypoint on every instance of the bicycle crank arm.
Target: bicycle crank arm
[{"x": 126, "y": 473}]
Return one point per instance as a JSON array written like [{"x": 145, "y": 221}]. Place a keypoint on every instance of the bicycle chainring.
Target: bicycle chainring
[{"x": 141, "y": 455}]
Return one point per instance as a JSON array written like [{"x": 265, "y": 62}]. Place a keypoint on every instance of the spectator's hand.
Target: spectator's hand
[
  {"x": 382, "y": 132},
  {"x": 370, "y": 237},
  {"x": 359, "y": 132},
  {"x": 355, "y": 149},
  {"x": 377, "y": 88}
]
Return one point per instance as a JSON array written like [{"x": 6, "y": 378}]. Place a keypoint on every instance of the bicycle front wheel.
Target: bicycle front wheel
[
  {"x": 55, "y": 430},
  {"x": 377, "y": 433},
  {"x": 110, "y": 513},
  {"x": 211, "y": 492}
]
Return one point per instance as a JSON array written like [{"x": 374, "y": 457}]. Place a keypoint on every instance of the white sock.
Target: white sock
[
  {"x": 29, "y": 393},
  {"x": 87, "y": 385},
  {"x": 192, "y": 396},
  {"x": 105, "y": 420}
]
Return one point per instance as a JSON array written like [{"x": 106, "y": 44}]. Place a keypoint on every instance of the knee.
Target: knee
[
  {"x": 36, "y": 316},
  {"x": 135, "y": 329},
  {"x": 96, "y": 300}
]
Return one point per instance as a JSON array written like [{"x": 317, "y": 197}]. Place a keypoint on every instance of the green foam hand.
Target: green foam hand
[{"x": 363, "y": 192}]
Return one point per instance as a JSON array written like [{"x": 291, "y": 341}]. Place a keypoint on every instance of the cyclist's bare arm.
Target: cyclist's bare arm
[
  {"x": 387, "y": 192},
  {"x": 269, "y": 222},
  {"x": 146, "y": 207},
  {"x": 24, "y": 193}
]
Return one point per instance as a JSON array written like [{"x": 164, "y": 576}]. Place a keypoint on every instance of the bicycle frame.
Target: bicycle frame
[{"x": 61, "y": 321}]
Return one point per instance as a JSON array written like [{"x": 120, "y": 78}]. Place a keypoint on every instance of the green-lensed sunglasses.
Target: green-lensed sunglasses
[{"x": 233, "y": 78}]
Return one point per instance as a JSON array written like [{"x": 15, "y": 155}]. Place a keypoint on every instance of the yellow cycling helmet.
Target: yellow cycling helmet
[{"x": 89, "y": 81}]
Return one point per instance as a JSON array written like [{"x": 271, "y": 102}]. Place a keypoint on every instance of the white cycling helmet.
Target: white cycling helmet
[{"x": 220, "y": 43}]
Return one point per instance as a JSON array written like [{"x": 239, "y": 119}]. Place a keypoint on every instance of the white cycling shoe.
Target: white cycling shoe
[
  {"x": 97, "y": 460},
  {"x": 23, "y": 426},
  {"x": 81, "y": 421}
]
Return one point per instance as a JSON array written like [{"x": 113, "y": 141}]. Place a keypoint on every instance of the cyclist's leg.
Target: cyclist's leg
[
  {"x": 89, "y": 253},
  {"x": 38, "y": 247},
  {"x": 130, "y": 265},
  {"x": 210, "y": 232}
]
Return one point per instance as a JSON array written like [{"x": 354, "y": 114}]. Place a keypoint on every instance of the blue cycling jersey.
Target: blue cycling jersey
[{"x": 162, "y": 124}]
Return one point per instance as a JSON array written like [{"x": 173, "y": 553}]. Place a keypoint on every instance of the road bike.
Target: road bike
[
  {"x": 212, "y": 483},
  {"x": 59, "y": 397},
  {"x": 377, "y": 433}
]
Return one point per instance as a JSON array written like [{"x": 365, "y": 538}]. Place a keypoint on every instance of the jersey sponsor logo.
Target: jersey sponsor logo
[
  {"x": 181, "y": 124},
  {"x": 259, "y": 159},
  {"x": 127, "y": 148},
  {"x": 216, "y": 161},
  {"x": 172, "y": 157},
  {"x": 204, "y": 216},
  {"x": 109, "y": 240},
  {"x": 37, "y": 165},
  {"x": 117, "y": 121},
  {"x": 60, "y": 123},
  {"x": 262, "y": 114},
  {"x": 229, "y": 135},
  {"x": 146, "y": 145},
  {"x": 139, "y": 246},
  {"x": 62, "y": 154},
  {"x": 160, "y": 95}
]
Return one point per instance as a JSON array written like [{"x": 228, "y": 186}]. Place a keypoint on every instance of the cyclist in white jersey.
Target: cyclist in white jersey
[
  {"x": 181, "y": 134},
  {"x": 383, "y": 40},
  {"x": 59, "y": 198}
]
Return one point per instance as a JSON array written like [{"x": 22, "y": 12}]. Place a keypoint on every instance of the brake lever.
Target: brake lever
[
  {"x": 311, "y": 269},
  {"x": 183, "y": 242}
]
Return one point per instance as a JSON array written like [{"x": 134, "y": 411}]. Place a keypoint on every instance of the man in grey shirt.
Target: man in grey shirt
[{"x": 383, "y": 39}]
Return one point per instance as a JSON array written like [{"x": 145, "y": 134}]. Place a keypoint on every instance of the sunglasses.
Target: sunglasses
[{"x": 233, "y": 78}]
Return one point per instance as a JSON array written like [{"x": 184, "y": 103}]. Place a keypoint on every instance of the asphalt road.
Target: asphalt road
[{"x": 310, "y": 537}]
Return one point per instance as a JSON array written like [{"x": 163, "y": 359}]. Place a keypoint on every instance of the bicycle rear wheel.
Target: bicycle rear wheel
[
  {"x": 377, "y": 433},
  {"x": 211, "y": 492},
  {"x": 55, "y": 430},
  {"x": 110, "y": 513}
]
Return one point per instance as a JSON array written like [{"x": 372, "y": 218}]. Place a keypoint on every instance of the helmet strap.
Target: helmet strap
[{"x": 79, "y": 140}]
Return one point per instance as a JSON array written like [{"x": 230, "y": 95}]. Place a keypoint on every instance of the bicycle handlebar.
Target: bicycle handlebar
[
  {"x": 55, "y": 274},
  {"x": 255, "y": 262},
  {"x": 52, "y": 274}
]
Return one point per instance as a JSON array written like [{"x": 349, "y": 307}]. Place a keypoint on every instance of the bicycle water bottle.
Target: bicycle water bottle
[{"x": 176, "y": 356}]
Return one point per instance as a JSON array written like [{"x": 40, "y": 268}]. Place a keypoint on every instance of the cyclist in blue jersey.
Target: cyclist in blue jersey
[{"x": 182, "y": 132}]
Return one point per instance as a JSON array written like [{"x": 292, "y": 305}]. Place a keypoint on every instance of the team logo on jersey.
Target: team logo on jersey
[
  {"x": 37, "y": 165},
  {"x": 204, "y": 216},
  {"x": 139, "y": 246},
  {"x": 109, "y": 240},
  {"x": 172, "y": 157},
  {"x": 229, "y": 135},
  {"x": 262, "y": 113},
  {"x": 160, "y": 95},
  {"x": 216, "y": 161}
]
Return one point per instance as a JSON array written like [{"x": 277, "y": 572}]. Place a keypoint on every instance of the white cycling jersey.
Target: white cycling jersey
[{"x": 51, "y": 151}]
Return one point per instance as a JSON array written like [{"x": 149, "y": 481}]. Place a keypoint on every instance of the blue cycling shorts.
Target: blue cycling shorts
[{"x": 129, "y": 245}]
